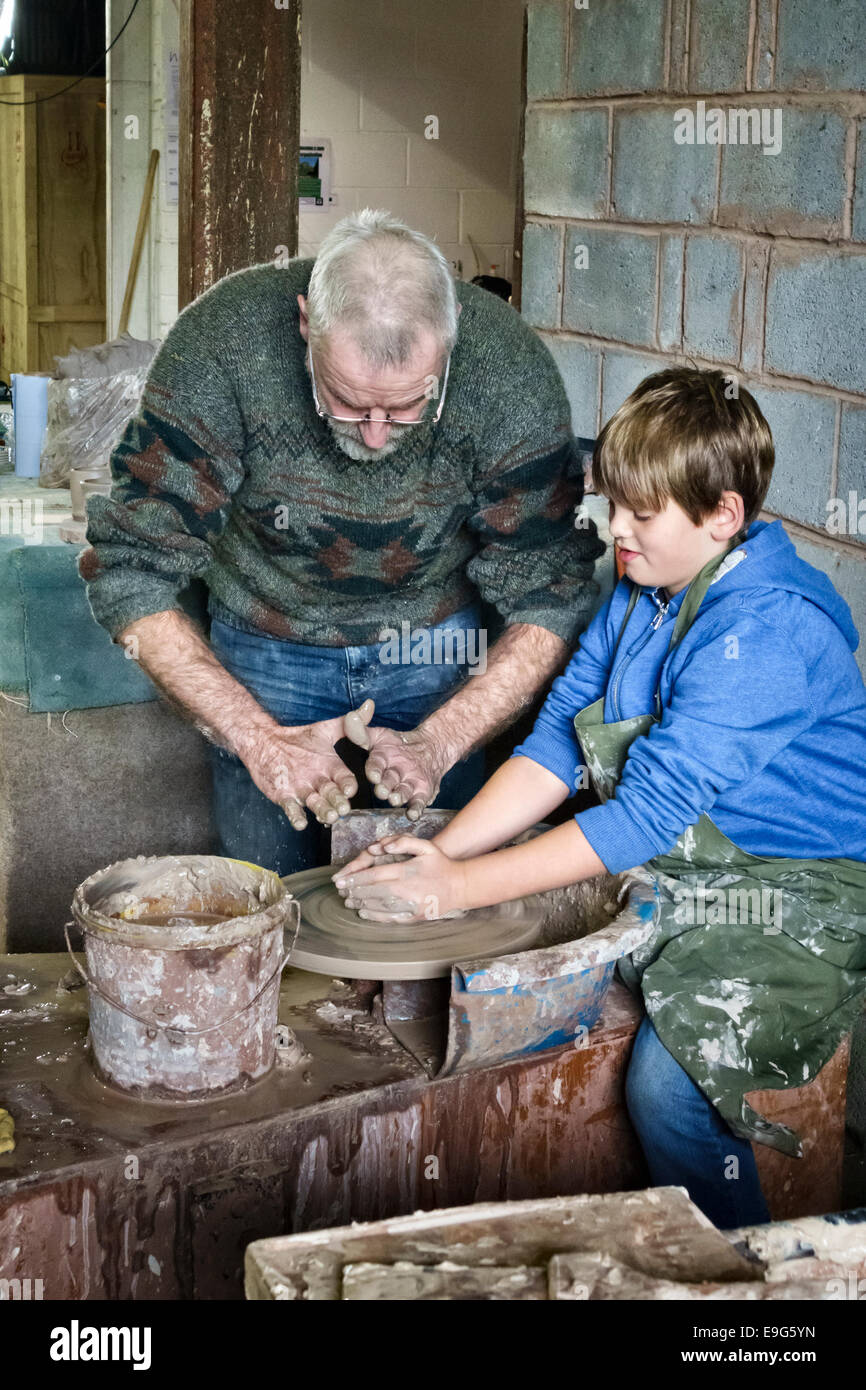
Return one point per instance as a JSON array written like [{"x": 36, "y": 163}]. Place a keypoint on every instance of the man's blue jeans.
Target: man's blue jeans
[
  {"x": 686, "y": 1142},
  {"x": 300, "y": 684}
]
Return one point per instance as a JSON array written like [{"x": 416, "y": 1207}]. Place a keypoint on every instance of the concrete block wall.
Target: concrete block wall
[
  {"x": 371, "y": 75},
  {"x": 640, "y": 251}
]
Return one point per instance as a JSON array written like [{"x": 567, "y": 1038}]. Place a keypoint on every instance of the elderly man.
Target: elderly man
[{"x": 321, "y": 444}]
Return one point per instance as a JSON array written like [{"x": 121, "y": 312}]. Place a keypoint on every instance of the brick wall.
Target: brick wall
[{"x": 641, "y": 251}]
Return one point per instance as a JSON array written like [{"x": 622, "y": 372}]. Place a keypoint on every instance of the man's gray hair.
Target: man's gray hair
[{"x": 382, "y": 282}]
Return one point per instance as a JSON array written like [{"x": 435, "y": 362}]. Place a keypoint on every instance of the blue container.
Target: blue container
[{"x": 30, "y": 416}]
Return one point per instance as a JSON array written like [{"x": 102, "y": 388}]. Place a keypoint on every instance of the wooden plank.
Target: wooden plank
[
  {"x": 406, "y": 1282},
  {"x": 58, "y": 339},
  {"x": 12, "y": 121},
  {"x": 67, "y": 313},
  {"x": 596, "y": 1277},
  {"x": 12, "y": 336},
  {"x": 658, "y": 1232},
  {"x": 239, "y": 134},
  {"x": 138, "y": 243},
  {"x": 69, "y": 230},
  {"x": 52, "y": 220},
  {"x": 28, "y": 232}
]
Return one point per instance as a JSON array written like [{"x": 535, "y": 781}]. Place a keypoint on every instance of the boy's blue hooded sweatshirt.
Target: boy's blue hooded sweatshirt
[{"x": 763, "y": 721}]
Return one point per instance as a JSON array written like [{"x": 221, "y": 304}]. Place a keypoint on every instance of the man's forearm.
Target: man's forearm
[
  {"x": 518, "y": 666},
  {"x": 178, "y": 660},
  {"x": 553, "y": 860}
]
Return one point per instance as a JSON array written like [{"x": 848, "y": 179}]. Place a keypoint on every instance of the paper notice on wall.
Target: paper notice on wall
[
  {"x": 314, "y": 176},
  {"x": 172, "y": 126}
]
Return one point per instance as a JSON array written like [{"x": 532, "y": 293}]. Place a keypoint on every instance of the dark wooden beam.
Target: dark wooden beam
[{"x": 240, "y": 111}]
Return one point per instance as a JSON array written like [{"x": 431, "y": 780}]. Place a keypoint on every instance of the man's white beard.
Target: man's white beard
[{"x": 348, "y": 438}]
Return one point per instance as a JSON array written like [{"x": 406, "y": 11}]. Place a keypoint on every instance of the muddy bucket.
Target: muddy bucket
[{"x": 184, "y": 956}]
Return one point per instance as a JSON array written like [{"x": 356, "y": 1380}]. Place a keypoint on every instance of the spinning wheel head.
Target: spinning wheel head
[{"x": 334, "y": 940}]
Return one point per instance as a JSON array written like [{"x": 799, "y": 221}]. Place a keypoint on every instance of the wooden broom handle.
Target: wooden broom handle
[{"x": 143, "y": 218}]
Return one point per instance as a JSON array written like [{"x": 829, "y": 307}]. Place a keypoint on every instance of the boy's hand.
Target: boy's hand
[
  {"x": 425, "y": 887},
  {"x": 367, "y": 859}
]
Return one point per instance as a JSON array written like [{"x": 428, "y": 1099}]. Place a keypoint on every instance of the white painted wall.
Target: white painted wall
[
  {"x": 128, "y": 95},
  {"x": 164, "y": 214},
  {"x": 372, "y": 71},
  {"x": 137, "y": 82}
]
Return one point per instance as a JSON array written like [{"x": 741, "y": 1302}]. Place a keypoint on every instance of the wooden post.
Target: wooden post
[{"x": 240, "y": 85}]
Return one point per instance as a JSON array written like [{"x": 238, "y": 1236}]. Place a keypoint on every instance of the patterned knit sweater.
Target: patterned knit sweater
[{"x": 226, "y": 473}]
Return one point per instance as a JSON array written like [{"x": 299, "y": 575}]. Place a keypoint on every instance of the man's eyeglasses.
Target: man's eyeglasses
[{"x": 389, "y": 420}]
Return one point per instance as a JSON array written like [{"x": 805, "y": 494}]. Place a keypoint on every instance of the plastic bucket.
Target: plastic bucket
[{"x": 182, "y": 1008}]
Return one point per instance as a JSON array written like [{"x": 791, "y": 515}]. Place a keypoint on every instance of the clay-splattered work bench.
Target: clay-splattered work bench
[{"x": 105, "y": 1197}]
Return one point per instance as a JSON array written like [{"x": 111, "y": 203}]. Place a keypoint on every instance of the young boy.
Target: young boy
[{"x": 718, "y": 708}]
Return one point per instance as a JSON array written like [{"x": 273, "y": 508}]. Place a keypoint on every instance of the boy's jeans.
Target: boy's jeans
[
  {"x": 686, "y": 1142},
  {"x": 300, "y": 684}
]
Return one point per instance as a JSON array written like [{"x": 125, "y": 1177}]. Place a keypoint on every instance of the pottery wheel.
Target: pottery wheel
[{"x": 333, "y": 940}]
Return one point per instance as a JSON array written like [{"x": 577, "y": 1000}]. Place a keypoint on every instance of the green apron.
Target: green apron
[{"x": 756, "y": 967}]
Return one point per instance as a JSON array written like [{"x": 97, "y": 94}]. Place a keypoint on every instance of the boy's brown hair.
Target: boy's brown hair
[{"x": 688, "y": 435}]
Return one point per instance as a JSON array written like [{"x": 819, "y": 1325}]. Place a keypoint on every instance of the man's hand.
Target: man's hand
[
  {"x": 297, "y": 767},
  {"x": 404, "y": 767},
  {"x": 408, "y": 768},
  {"x": 425, "y": 887}
]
